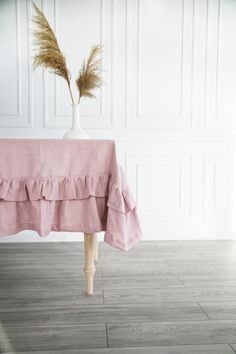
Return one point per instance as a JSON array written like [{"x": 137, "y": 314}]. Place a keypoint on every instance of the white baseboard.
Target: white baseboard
[{"x": 31, "y": 236}]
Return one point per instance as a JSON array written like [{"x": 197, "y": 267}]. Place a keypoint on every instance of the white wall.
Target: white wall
[{"x": 169, "y": 101}]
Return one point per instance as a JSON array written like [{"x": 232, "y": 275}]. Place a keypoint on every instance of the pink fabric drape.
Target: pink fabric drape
[{"x": 66, "y": 185}]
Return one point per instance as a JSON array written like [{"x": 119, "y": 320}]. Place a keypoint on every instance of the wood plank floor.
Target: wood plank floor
[{"x": 164, "y": 297}]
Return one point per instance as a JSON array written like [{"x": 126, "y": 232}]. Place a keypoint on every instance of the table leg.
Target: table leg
[
  {"x": 96, "y": 250},
  {"x": 90, "y": 243}
]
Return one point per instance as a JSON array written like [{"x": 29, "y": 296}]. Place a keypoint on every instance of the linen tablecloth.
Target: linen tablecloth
[{"x": 66, "y": 185}]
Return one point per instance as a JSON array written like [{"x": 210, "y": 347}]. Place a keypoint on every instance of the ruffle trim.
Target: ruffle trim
[
  {"x": 55, "y": 188},
  {"x": 68, "y": 188}
]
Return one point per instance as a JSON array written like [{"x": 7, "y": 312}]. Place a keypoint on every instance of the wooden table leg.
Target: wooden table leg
[
  {"x": 90, "y": 244},
  {"x": 96, "y": 250}
]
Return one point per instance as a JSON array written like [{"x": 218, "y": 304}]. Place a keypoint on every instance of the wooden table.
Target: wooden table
[{"x": 70, "y": 186}]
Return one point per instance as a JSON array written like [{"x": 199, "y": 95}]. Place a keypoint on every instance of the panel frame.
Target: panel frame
[
  {"x": 23, "y": 117},
  {"x": 104, "y": 119},
  {"x": 157, "y": 121},
  {"x": 136, "y": 161},
  {"x": 212, "y": 120}
]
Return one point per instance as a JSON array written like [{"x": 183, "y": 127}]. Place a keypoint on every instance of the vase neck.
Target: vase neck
[{"x": 75, "y": 117}]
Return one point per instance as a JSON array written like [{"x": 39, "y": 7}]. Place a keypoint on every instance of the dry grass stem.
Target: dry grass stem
[
  {"x": 49, "y": 54},
  {"x": 89, "y": 77}
]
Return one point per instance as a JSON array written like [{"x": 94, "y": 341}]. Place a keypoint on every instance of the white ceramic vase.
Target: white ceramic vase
[{"x": 75, "y": 131}]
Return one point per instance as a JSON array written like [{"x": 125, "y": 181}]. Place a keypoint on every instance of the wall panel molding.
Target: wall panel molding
[
  {"x": 162, "y": 185},
  {"x": 220, "y": 66},
  {"x": 169, "y": 119},
  {"x": 102, "y": 117},
  {"x": 21, "y": 115},
  {"x": 218, "y": 187}
]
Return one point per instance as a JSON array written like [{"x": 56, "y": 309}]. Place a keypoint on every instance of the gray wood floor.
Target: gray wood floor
[{"x": 176, "y": 297}]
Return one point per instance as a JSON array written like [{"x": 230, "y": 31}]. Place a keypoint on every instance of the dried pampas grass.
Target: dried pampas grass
[
  {"x": 49, "y": 56},
  {"x": 89, "y": 76}
]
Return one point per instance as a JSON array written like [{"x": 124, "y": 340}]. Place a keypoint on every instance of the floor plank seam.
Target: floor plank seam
[
  {"x": 234, "y": 350},
  {"x": 107, "y": 335},
  {"x": 163, "y": 259},
  {"x": 156, "y": 248},
  {"x": 204, "y": 311},
  {"x": 132, "y": 322},
  {"x": 181, "y": 280}
]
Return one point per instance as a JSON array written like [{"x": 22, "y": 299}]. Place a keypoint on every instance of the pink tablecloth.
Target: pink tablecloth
[{"x": 66, "y": 185}]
